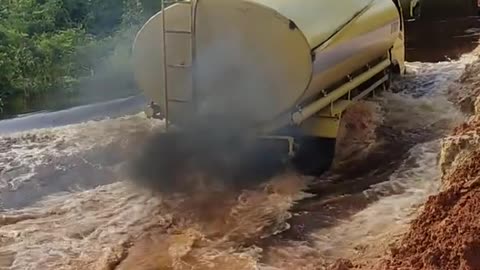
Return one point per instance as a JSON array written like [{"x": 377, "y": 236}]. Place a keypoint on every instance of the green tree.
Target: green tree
[{"x": 53, "y": 45}]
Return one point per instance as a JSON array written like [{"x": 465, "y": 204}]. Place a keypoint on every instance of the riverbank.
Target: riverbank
[{"x": 446, "y": 235}]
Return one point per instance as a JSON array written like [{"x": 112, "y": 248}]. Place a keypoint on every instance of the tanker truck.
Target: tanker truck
[{"x": 289, "y": 68}]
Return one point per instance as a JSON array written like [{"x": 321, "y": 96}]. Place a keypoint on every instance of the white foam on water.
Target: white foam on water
[
  {"x": 420, "y": 102},
  {"x": 390, "y": 214},
  {"x": 94, "y": 229},
  {"x": 75, "y": 230},
  {"x": 21, "y": 153}
]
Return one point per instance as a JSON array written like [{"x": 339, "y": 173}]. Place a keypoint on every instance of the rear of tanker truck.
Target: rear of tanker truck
[{"x": 284, "y": 70}]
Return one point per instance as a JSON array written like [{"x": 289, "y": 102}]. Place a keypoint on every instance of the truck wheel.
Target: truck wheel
[{"x": 314, "y": 155}]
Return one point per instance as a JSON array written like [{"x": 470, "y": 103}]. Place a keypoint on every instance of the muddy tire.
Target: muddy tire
[{"x": 314, "y": 155}]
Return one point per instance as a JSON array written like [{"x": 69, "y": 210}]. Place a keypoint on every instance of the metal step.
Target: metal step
[
  {"x": 177, "y": 2},
  {"x": 179, "y": 101},
  {"x": 179, "y": 66},
  {"x": 186, "y": 32}
]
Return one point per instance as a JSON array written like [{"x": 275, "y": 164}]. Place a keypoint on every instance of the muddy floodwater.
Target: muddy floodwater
[
  {"x": 441, "y": 40},
  {"x": 67, "y": 201}
]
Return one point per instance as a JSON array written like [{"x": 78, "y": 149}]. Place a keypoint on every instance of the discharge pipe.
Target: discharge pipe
[{"x": 303, "y": 114}]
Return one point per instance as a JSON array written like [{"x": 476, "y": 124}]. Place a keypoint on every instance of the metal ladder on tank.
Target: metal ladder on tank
[{"x": 168, "y": 66}]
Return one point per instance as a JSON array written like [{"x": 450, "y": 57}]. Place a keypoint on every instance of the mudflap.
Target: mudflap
[{"x": 314, "y": 155}]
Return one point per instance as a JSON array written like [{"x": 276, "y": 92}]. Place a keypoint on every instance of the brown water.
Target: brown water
[
  {"x": 441, "y": 40},
  {"x": 67, "y": 202}
]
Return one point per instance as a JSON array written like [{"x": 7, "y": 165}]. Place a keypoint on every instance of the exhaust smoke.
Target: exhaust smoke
[{"x": 205, "y": 157}]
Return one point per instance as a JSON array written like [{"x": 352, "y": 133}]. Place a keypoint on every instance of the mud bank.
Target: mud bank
[{"x": 446, "y": 235}]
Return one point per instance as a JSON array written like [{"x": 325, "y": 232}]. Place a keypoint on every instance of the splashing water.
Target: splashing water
[
  {"x": 68, "y": 203},
  {"x": 361, "y": 224}
]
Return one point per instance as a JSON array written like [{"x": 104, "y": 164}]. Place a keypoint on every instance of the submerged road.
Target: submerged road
[{"x": 75, "y": 115}]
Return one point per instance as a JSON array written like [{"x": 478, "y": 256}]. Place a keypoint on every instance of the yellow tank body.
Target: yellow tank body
[{"x": 262, "y": 59}]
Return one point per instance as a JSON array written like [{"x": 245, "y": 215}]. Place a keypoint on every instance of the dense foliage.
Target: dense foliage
[{"x": 61, "y": 45}]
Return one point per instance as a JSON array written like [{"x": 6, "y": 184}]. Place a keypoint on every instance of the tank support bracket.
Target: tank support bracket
[
  {"x": 322, "y": 126},
  {"x": 288, "y": 139},
  {"x": 300, "y": 116}
]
